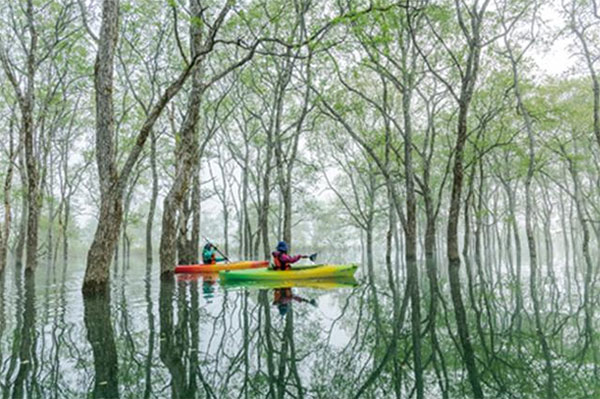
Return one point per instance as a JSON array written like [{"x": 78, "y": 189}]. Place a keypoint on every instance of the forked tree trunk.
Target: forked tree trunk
[{"x": 112, "y": 183}]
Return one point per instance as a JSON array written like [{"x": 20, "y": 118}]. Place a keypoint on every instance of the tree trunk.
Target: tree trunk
[
  {"x": 529, "y": 229},
  {"x": 111, "y": 207},
  {"x": 186, "y": 155},
  {"x": 410, "y": 228},
  {"x": 264, "y": 209},
  {"x": 6, "y": 224},
  {"x": 466, "y": 94},
  {"x": 153, "y": 198},
  {"x": 20, "y": 244},
  {"x": 194, "y": 244},
  {"x": 588, "y": 283}
]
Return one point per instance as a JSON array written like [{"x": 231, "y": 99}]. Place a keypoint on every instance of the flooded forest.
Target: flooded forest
[{"x": 433, "y": 167}]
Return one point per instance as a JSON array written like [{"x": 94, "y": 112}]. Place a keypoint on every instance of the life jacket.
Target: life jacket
[
  {"x": 282, "y": 295},
  {"x": 279, "y": 263},
  {"x": 208, "y": 256}
]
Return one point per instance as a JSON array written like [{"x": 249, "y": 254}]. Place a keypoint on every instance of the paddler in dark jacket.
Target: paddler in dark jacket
[
  {"x": 209, "y": 255},
  {"x": 281, "y": 259}
]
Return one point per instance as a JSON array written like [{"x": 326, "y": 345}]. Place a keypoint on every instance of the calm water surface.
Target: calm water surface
[{"x": 193, "y": 338}]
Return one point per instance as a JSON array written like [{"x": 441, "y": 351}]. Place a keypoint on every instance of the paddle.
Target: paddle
[
  {"x": 217, "y": 249},
  {"x": 312, "y": 257}
]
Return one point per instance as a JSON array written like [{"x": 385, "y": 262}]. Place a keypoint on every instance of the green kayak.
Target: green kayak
[{"x": 298, "y": 272}]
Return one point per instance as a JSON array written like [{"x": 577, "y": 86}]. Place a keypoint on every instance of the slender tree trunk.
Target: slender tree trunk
[
  {"x": 65, "y": 230},
  {"x": 266, "y": 203},
  {"x": 588, "y": 282},
  {"x": 247, "y": 228},
  {"x": 411, "y": 231},
  {"x": 33, "y": 183},
  {"x": 6, "y": 224},
  {"x": 455, "y": 202},
  {"x": 194, "y": 244},
  {"x": 153, "y": 198},
  {"x": 20, "y": 244},
  {"x": 529, "y": 231},
  {"x": 517, "y": 239}
]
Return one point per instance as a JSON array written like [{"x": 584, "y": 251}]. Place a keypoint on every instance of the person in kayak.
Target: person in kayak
[
  {"x": 283, "y": 298},
  {"x": 281, "y": 259},
  {"x": 209, "y": 255}
]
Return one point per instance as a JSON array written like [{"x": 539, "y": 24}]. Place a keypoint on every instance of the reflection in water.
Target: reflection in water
[
  {"x": 283, "y": 298},
  {"x": 209, "y": 282},
  {"x": 179, "y": 339},
  {"x": 151, "y": 331},
  {"x": 24, "y": 347},
  {"x": 100, "y": 335},
  {"x": 169, "y": 339}
]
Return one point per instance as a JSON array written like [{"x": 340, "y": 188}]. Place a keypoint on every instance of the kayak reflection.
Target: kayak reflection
[
  {"x": 209, "y": 283},
  {"x": 283, "y": 298},
  {"x": 321, "y": 284}
]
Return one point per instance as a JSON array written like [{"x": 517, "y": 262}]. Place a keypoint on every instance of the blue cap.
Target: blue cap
[{"x": 282, "y": 246}]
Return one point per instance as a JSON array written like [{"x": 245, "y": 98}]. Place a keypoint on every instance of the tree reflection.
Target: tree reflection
[
  {"x": 25, "y": 343},
  {"x": 272, "y": 342},
  {"x": 179, "y": 339},
  {"x": 98, "y": 323}
]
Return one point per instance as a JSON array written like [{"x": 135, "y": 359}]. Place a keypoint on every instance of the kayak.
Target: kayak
[
  {"x": 298, "y": 272},
  {"x": 202, "y": 268},
  {"x": 321, "y": 284}
]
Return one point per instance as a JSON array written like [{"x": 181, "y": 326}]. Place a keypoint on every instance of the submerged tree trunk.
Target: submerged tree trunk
[
  {"x": 111, "y": 208},
  {"x": 186, "y": 156}
]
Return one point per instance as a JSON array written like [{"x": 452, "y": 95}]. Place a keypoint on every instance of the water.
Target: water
[{"x": 193, "y": 338}]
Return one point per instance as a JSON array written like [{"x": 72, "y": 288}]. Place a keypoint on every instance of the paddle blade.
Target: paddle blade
[{"x": 313, "y": 257}]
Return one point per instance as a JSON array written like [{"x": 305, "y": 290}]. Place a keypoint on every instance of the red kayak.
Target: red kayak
[{"x": 211, "y": 268}]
